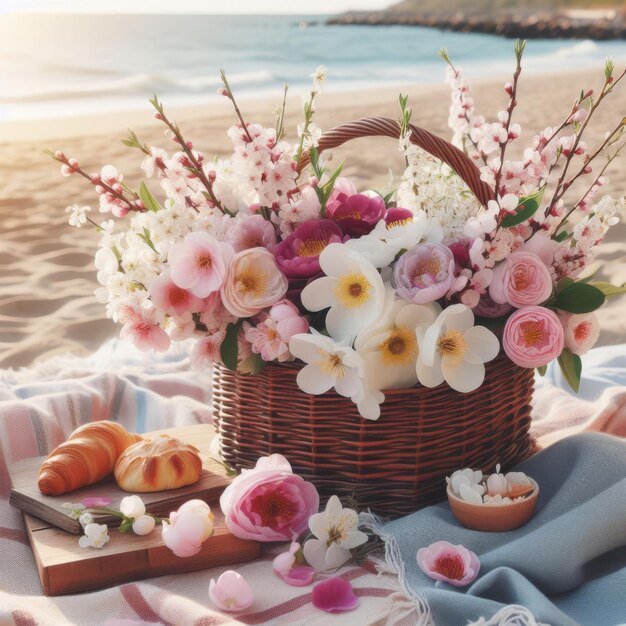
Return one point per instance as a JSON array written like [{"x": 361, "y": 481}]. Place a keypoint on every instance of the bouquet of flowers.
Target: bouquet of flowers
[{"x": 260, "y": 259}]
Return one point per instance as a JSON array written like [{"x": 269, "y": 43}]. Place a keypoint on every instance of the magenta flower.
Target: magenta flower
[
  {"x": 269, "y": 502},
  {"x": 342, "y": 189},
  {"x": 455, "y": 565},
  {"x": 522, "y": 279},
  {"x": 95, "y": 501},
  {"x": 425, "y": 273},
  {"x": 199, "y": 263},
  {"x": 396, "y": 216},
  {"x": 298, "y": 254},
  {"x": 231, "y": 592},
  {"x": 358, "y": 214},
  {"x": 533, "y": 336},
  {"x": 334, "y": 595}
]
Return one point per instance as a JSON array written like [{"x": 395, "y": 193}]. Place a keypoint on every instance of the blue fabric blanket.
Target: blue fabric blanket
[{"x": 567, "y": 565}]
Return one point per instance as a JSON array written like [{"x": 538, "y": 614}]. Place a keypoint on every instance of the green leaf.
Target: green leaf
[
  {"x": 526, "y": 208},
  {"x": 609, "y": 289},
  {"x": 229, "y": 349},
  {"x": 126, "y": 525},
  {"x": 562, "y": 236},
  {"x": 578, "y": 298},
  {"x": 564, "y": 282},
  {"x": 572, "y": 367},
  {"x": 147, "y": 198},
  {"x": 542, "y": 370}
]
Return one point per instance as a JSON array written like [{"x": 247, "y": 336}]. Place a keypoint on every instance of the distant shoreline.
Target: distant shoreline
[{"x": 596, "y": 25}]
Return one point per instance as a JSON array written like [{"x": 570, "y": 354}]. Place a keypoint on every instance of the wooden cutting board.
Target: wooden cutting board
[
  {"x": 64, "y": 567},
  {"x": 25, "y": 494}
]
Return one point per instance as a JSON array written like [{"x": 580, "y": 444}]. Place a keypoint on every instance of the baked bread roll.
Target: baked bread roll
[
  {"x": 158, "y": 464},
  {"x": 88, "y": 455}
]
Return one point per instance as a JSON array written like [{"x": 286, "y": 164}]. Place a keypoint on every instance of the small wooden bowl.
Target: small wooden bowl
[{"x": 494, "y": 517}]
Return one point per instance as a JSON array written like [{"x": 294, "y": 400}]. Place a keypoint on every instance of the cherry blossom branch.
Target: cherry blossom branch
[
  {"x": 196, "y": 166},
  {"x": 228, "y": 92},
  {"x": 520, "y": 44},
  {"x": 561, "y": 186},
  {"x": 71, "y": 166}
]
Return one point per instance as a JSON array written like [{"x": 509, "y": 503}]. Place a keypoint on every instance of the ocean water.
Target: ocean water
[{"x": 66, "y": 65}]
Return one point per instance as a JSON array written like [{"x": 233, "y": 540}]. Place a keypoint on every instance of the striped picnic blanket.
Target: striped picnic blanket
[{"x": 39, "y": 407}]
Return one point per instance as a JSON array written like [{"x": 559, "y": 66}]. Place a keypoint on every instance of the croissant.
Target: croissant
[
  {"x": 89, "y": 454},
  {"x": 158, "y": 464}
]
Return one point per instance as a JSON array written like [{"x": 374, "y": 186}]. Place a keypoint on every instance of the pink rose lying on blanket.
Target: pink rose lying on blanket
[{"x": 269, "y": 502}]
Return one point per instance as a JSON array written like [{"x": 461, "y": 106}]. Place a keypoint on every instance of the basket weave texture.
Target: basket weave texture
[{"x": 394, "y": 465}]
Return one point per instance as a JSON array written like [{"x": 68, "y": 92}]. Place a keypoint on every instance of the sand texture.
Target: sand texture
[{"x": 47, "y": 275}]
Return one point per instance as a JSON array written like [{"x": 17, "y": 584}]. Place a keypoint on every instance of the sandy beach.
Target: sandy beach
[{"x": 47, "y": 275}]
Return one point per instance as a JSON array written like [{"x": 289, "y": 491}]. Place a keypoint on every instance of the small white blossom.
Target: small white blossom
[
  {"x": 96, "y": 535},
  {"x": 78, "y": 215}
]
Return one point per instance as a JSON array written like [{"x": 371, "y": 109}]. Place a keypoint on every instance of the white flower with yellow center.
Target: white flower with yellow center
[
  {"x": 336, "y": 532},
  {"x": 352, "y": 288},
  {"x": 389, "y": 350},
  {"x": 454, "y": 350},
  {"x": 329, "y": 365}
]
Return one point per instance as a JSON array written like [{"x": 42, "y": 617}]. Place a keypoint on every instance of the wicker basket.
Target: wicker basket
[{"x": 397, "y": 464}]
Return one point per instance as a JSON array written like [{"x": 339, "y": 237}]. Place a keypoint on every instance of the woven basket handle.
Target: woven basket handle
[{"x": 437, "y": 147}]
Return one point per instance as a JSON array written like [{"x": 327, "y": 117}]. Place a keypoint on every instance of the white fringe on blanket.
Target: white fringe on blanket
[{"x": 512, "y": 615}]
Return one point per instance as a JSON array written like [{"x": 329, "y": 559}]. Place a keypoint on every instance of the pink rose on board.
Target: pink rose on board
[
  {"x": 231, "y": 592},
  {"x": 253, "y": 282},
  {"x": 199, "y": 263},
  {"x": 581, "y": 331},
  {"x": 188, "y": 528},
  {"x": 298, "y": 254},
  {"x": 522, "y": 279},
  {"x": 269, "y": 502},
  {"x": 455, "y": 565},
  {"x": 358, "y": 214},
  {"x": 172, "y": 299},
  {"x": 425, "y": 273},
  {"x": 252, "y": 231},
  {"x": 533, "y": 336}
]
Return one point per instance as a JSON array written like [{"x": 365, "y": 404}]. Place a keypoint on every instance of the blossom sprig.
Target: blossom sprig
[
  {"x": 228, "y": 93},
  {"x": 194, "y": 164},
  {"x": 307, "y": 131}
]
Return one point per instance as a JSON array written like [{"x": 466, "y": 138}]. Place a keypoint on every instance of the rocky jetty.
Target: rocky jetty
[{"x": 568, "y": 25}]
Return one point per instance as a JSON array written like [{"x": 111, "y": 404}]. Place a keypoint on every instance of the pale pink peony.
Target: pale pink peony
[
  {"x": 581, "y": 331},
  {"x": 146, "y": 335},
  {"x": 522, "y": 280},
  {"x": 533, "y": 336},
  {"x": 253, "y": 282},
  {"x": 288, "y": 320},
  {"x": 199, "y": 263},
  {"x": 172, "y": 299},
  {"x": 455, "y": 565},
  {"x": 231, "y": 592},
  {"x": 269, "y": 502},
  {"x": 252, "y": 231},
  {"x": 188, "y": 528}
]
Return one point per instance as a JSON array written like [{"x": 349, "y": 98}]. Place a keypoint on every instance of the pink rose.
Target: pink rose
[
  {"x": 522, "y": 280},
  {"x": 581, "y": 331},
  {"x": 253, "y": 282},
  {"x": 455, "y": 565},
  {"x": 269, "y": 502},
  {"x": 533, "y": 336}
]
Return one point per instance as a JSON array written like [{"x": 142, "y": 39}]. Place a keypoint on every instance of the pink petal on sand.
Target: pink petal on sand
[
  {"x": 334, "y": 595},
  {"x": 299, "y": 576}
]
